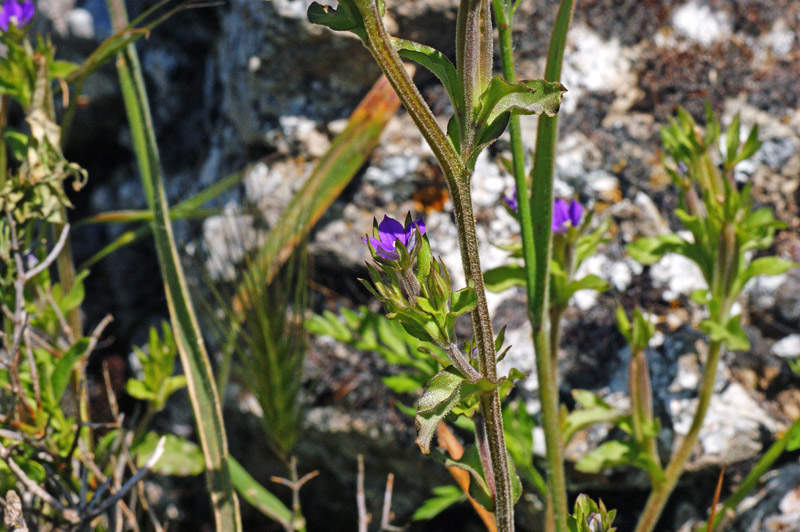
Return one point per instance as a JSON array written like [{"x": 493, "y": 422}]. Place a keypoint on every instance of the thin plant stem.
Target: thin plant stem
[
  {"x": 660, "y": 494},
  {"x": 755, "y": 474},
  {"x": 720, "y": 282},
  {"x": 203, "y": 395},
  {"x": 361, "y": 499},
  {"x": 458, "y": 180},
  {"x": 537, "y": 248}
]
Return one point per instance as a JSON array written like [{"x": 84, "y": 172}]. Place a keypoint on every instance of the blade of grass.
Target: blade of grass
[
  {"x": 126, "y": 238},
  {"x": 196, "y": 365},
  {"x": 331, "y": 175},
  {"x": 142, "y": 215},
  {"x": 537, "y": 258},
  {"x": 257, "y": 495},
  {"x": 752, "y": 478}
]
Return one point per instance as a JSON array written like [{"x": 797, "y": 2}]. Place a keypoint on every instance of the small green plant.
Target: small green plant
[{"x": 726, "y": 231}]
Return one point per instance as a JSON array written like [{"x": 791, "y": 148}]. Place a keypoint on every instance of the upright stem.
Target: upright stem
[
  {"x": 660, "y": 494},
  {"x": 536, "y": 245},
  {"x": 458, "y": 179},
  {"x": 720, "y": 283}
]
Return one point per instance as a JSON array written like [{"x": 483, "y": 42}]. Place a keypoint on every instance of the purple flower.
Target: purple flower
[
  {"x": 391, "y": 231},
  {"x": 511, "y": 201},
  {"x": 12, "y": 12},
  {"x": 566, "y": 215}
]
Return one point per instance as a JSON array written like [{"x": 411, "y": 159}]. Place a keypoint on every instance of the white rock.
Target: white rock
[
  {"x": 780, "y": 39},
  {"x": 228, "y": 238},
  {"x": 699, "y": 23},
  {"x": 677, "y": 275},
  {"x": 81, "y": 23},
  {"x": 787, "y": 347},
  {"x": 732, "y": 426},
  {"x": 594, "y": 64}
]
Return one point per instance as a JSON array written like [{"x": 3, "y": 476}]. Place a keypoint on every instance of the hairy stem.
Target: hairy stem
[{"x": 458, "y": 178}]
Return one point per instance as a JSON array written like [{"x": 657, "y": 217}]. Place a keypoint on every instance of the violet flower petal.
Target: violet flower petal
[
  {"x": 390, "y": 230},
  {"x": 575, "y": 212},
  {"x": 560, "y": 216},
  {"x": 28, "y": 9},
  {"x": 511, "y": 202}
]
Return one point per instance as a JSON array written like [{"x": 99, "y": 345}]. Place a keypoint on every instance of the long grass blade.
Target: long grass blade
[
  {"x": 257, "y": 495},
  {"x": 540, "y": 218},
  {"x": 333, "y": 172},
  {"x": 196, "y": 365}
]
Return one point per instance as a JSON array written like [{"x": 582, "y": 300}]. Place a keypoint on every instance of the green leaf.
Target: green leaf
[
  {"x": 501, "y": 100},
  {"x": 440, "y": 389},
  {"x": 649, "y": 250},
  {"x": 794, "y": 442},
  {"x": 170, "y": 386},
  {"x": 588, "y": 243},
  {"x": 139, "y": 390},
  {"x": 642, "y": 331},
  {"x": 593, "y": 410},
  {"x": 751, "y": 145},
  {"x": 443, "y": 498},
  {"x": 181, "y": 457},
  {"x": 403, "y": 383},
  {"x": 504, "y": 277},
  {"x": 463, "y": 301},
  {"x": 63, "y": 368},
  {"x": 736, "y": 338},
  {"x": 590, "y": 282},
  {"x": 60, "y": 69},
  {"x": 257, "y": 495},
  {"x": 623, "y": 323},
  {"x": 764, "y": 266},
  {"x": 440, "y": 397},
  {"x": 700, "y": 296},
  {"x": 76, "y": 293},
  {"x": 344, "y": 17},
  {"x": 732, "y": 140},
  {"x": 531, "y": 97},
  {"x": 470, "y": 462},
  {"x": 17, "y": 143},
  {"x": 616, "y": 453},
  {"x": 438, "y": 64},
  {"x": 731, "y": 334}
]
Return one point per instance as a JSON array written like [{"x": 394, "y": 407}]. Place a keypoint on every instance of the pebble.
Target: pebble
[
  {"x": 699, "y": 23},
  {"x": 677, "y": 275},
  {"x": 787, "y": 347}
]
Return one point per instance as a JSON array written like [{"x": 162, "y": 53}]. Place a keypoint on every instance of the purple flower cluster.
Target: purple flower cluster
[
  {"x": 16, "y": 13},
  {"x": 391, "y": 231},
  {"x": 566, "y": 215}
]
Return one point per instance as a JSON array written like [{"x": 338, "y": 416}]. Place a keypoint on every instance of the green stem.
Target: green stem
[
  {"x": 541, "y": 209},
  {"x": 3, "y": 154},
  {"x": 203, "y": 395},
  {"x": 724, "y": 265},
  {"x": 642, "y": 403},
  {"x": 763, "y": 465},
  {"x": 660, "y": 494},
  {"x": 458, "y": 179}
]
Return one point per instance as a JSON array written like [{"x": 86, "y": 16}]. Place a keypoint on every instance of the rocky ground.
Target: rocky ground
[{"x": 247, "y": 79}]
